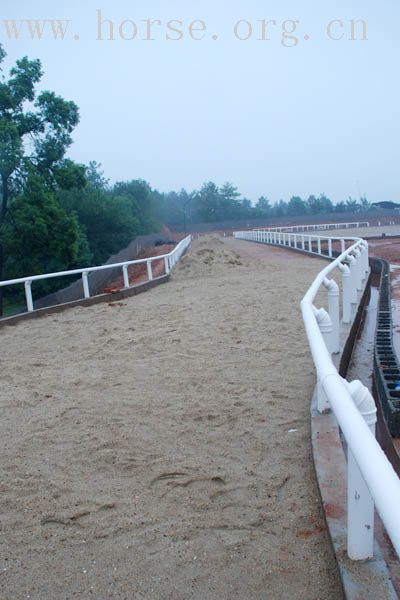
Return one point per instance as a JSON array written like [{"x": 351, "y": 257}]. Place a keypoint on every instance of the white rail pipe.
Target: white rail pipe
[
  {"x": 377, "y": 472},
  {"x": 371, "y": 477},
  {"x": 170, "y": 260},
  {"x": 318, "y": 227}
]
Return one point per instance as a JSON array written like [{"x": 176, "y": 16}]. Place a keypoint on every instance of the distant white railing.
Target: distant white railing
[
  {"x": 318, "y": 227},
  {"x": 371, "y": 477},
  {"x": 170, "y": 261}
]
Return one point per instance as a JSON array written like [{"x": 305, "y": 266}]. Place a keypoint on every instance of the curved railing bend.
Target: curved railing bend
[
  {"x": 371, "y": 477},
  {"x": 170, "y": 260}
]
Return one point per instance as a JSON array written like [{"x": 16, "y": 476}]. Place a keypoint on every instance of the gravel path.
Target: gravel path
[{"x": 159, "y": 448}]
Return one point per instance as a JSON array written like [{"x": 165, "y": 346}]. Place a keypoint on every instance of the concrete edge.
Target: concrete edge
[{"x": 115, "y": 297}]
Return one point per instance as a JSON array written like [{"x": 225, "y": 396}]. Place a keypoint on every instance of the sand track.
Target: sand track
[{"x": 159, "y": 448}]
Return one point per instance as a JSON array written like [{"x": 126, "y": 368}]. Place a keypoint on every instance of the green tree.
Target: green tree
[
  {"x": 351, "y": 205},
  {"x": 263, "y": 207},
  {"x": 246, "y": 208},
  {"x": 280, "y": 209},
  {"x": 106, "y": 219},
  {"x": 69, "y": 175},
  {"x": 340, "y": 207},
  {"x": 364, "y": 203},
  {"x": 314, "y": 205},
  {"x": 39, "y": 236},
  {"x": 46, "y": 120},
  {"x": 140, "y": 199},
  {"x": 229, "y": 204},
  {"x": 326, "y": 204},
  {"x": 95, "y": 176},
  {"x": 296, "y": 206},
  {"x": 207, "y": 202}
]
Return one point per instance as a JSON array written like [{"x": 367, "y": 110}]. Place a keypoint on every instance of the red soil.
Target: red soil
[
  {"x": 138, "y": 273},
  {"x": 387, "y": 249}
]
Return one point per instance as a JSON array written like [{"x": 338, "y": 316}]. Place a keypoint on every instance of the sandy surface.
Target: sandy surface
[{"x": 159, "y": 448}]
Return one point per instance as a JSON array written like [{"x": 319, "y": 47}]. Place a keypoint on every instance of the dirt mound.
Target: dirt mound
[{"x": 208, "y": 256}]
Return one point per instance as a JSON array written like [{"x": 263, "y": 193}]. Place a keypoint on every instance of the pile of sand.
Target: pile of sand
[{"x": 208, "y": 257}]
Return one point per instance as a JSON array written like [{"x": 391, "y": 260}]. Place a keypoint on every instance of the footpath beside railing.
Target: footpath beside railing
[
  {"x": 170, "y": 261},
  {"x": 371, "y": 479}
]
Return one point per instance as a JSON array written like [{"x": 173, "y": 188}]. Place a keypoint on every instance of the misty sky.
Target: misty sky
[{"x": 277, "y": 121}]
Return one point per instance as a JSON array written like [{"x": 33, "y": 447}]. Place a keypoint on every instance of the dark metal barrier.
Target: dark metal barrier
[{"x": 386, "y": 363}]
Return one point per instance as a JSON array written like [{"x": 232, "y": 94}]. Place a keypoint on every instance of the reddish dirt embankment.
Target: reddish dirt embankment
[
  {"x": 387, "y": 249},
  {"x": 138, "y": 273}
]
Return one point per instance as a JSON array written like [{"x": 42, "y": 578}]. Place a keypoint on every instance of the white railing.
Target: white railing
[
  {"x": 170, "y": 261},
  {"x": 371, "y": 478},
  {"x": 318, "y": 227}
]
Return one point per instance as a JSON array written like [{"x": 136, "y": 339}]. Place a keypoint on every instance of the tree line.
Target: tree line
[
  {"x": 212, "y": 203},
  {"x": 57, "y": 214}
]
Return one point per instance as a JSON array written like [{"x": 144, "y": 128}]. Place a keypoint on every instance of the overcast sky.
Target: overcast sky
[{"x": 321, "y": 116}]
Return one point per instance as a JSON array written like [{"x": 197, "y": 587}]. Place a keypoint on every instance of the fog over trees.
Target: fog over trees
[{"x": 58, "y": 215}]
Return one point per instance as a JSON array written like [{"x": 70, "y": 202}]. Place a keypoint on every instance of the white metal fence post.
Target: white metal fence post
[
  {"x": 360, "y": 505},
  {"x": 334, "y": 314},
  {"x": 353, "y": 278},
  {"x": 330, "y": 248},
  {"x": 319, "y": 245},
  {"x": 360, "y": 269},
  {"x": 343, "y": 246},
  {"x": 28, "y": 295},
  {"x": 309, "y": 243},
  {"x": 325, "y": 326},
  {"x": 149, "y": 271},
  {"x": 365, "y": 251},
  {"x": 346, "y": 293},
  {"x": 85, "y": 281},
  {"x": 125, "y": 275}
]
